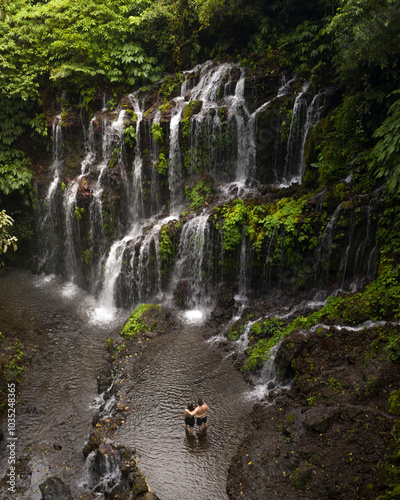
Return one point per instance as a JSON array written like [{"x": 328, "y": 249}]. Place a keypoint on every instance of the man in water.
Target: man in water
[{"x": 200, "y": 412}]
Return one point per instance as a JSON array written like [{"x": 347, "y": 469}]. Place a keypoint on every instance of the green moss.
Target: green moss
[
  {"x": 266, "y": 328},
  {"x": 237, "y": 329},
  {"x": 135, "y": 324},
  {"x": 290, "y": 419},
  {"x": 12, "y": 361},
  {"x": 192, "y": 108},
  {"x": 130, "y": 135},
  {"x": 198, "y": 194},
  {"x": 161, "y": 165},
  {"x": 157, "y": 132},
  {"x": 378, "y": 301},
  {"x": 394, "y": 403},
  {"x": 166, "y": 248}
]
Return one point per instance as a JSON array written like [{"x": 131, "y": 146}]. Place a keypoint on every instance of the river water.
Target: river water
[
  {"x": 56, "y": 404},
  {"x": 182, "y": 368},
  {"x": 57, "y": 401}
]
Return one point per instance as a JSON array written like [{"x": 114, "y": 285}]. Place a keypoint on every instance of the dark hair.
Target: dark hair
[
  {"x": 200, "y": 402},
  {"x": 190, "y": 406}
]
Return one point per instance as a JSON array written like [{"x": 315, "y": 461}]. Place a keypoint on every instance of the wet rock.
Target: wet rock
[
  {"x": 93, "y": 442},
  {"x": 320, "y": 419},
  {"x": 206, "y": 179},
  {"x": 182, "y": 294},
  {"x": 150, "y": 496},
  {"x": 121, "y": 491},
  {"x": 54, "y": 489},
  {"x": 140, "y": 486},
  {"x": 103, "y": 382},
  {"x": 237, "y": 329},
  {"x": 301, "y": 476}
]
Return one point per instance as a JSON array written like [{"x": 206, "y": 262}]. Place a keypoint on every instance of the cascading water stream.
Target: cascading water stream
[
  {"x": 175, "y": 178},
  {"x": 217, "y": 138},
  {"x": 155, "y": 158},
  {"x": 48, "y": 218},
  {"x": 192, "y": 264},
  {"x": 112, "y": 138},
  {"x": 326, "y": 249},
  {"x": 295, "y": 141},
  {"x": 71, "y": 217},
  {"x": 269, "y": 380},
  {"x": 136, "y": 202}
]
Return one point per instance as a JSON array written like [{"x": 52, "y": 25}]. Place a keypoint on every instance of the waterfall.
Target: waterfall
[
  {"x": 112, "y": 269},
  {"x": 71, "y": 217},
  {"x": 364, "y": 260},
  {"x": 154, "y": 152},
  {"x": 175, "y": 177},
  {"x": 295, "y": 140},
  {"x": 109, "y": 217},
  {"x": 112, "y": 140},
  {"x": 304, "y": 118},
  {"x": 322, "y": 267},
  {"x": 48, "y": 216},
  {"x": 69, "y": 204},
  {"x": 245, "y": 259},
  {"x": 192, "y": 265},
  {"x": 345, "y": 259},
  {"x": 136, "y": 205},
  {"x": 102, "y": 472},
  {"x": 242, "y": 342},
  {"x": 269, "y": 379}
]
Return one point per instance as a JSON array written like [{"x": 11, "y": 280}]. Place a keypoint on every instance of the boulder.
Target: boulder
[
  {"x": 54, "y": 489},
  {"x": 182, "y": 294},
  {"x": 150, "y": 496},
  {"x": 121, "y": 491},
  {"x": 140, "y": 486},
  {"x": 320, "y": 418},
  {"x": 93, "y": 442}
]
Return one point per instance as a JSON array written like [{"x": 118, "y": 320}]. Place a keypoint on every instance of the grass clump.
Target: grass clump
[{"x": 135, "y": 324}]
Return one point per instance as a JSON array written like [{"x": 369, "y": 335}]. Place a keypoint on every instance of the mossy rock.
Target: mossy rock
[
  {"x": 300, "y": 477},
  {"x": 237, "y": 329},
  {"x": 140, "y": 486},
  {"x": 147, "y": 317},
  {"x": 394, "y": 403}
]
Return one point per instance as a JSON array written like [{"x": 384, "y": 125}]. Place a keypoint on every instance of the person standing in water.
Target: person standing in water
[
  {"x": 189, "y": 418},
  {"x": 200, "y": 412}
]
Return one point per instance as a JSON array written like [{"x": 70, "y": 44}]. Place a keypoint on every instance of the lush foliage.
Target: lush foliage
[
  {"x": 198, "y": 194},
  {"x": 166, "y": 248},
  {"x": 72, "y": 43},
  {"x": 385, "y": 156},
  {"x": 6, "y": 239},
  {"x": 12, "y": 361}
]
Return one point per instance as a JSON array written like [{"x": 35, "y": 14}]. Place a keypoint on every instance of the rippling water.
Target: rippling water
[
  {"x": 57, "y": 403},
  {"x": 181, "y": 368}
]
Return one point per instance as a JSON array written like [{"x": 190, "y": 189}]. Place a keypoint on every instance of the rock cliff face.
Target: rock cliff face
[
  {"x": 333, "y": 434},
  {"x": 219, "y": 151}
]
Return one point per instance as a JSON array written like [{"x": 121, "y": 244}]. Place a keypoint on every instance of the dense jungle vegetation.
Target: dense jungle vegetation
[{"x": 55, "y": 46}]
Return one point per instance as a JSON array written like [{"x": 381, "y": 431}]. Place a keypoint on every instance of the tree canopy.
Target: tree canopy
[{"x": 116, "y": 45}]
